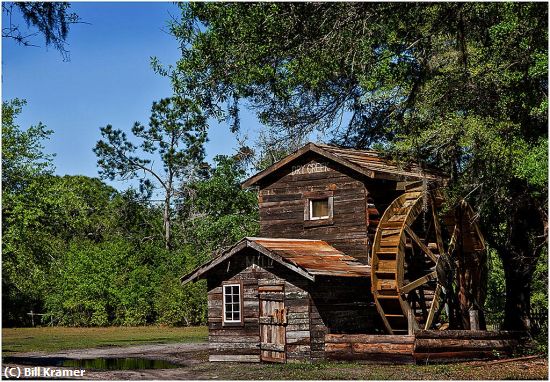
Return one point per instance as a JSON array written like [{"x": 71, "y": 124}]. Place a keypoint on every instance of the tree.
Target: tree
[
  {"x": 217, "y": 212},
  {"x": 52, "y": 19},
  {"x": 177, "y": 132},
  {"x": 460, "y": 85},
  {"x": 23, "y": 160},
  {"x": 39, "y": 223},
  {"x": 22, "y": 150}
]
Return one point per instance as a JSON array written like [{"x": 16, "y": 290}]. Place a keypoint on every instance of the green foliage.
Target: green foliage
[
  {"x": 218, "y": 212},
  {"x": 51, "y": 19},
  {"x": 181, "y": 306},
  {"x": 496, "y": 290},
  {"x": 532, "y": 165},
  {"x": 23, "y": 161},
  {"x": 22, "y": 150},
  {"x": 176, "y": 132},
  {"x": 118, "y": 283},
  {"x": 39, "y": 223},
  {"x": 539, "y": 296},
  {"x": 174, "y": 304}
]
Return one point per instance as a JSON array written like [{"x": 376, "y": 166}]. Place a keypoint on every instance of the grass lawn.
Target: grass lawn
[
  {"x": 532, "y": 370},
  {"x": 52, "y": 339}
]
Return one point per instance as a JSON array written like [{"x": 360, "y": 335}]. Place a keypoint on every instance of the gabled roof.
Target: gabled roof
[
  {"x": 365, "y": 162},
  {"x": 305, "y": 257}
]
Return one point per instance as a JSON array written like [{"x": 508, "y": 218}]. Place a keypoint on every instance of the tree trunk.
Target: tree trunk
[
  {"x": 167, "y": 221},
  {"x": 521, "y": 243},
  {"x": 519, "y": 255},
  {"x": 518, "y": 295}
]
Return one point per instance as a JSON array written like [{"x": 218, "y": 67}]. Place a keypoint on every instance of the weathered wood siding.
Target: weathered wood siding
[
  {"x": 345, "y": 304},
  {"x": 340, "y": 305},
  {"x": 282, "y": 200},
  {"x": 242, "y": 343}
]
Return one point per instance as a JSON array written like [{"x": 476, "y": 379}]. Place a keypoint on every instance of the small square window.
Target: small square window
[{"x": 318, "y": 209}]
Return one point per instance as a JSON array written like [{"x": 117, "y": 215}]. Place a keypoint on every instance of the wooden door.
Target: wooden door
[{"x": 272, "y": 323}]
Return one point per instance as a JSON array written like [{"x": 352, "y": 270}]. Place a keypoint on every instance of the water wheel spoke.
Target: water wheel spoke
[
  {"x": 433, "y": 308},
  {"x": 422, "y": 301},
  {"x": 429, "y": 228},
  {"x": 437, "y": 229},
  {"x": 454, "y": 238},
  {"x": 419, "y": 242},
  {"x": 416, "y": 283}
]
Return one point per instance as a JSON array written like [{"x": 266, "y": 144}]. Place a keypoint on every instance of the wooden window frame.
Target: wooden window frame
[
  {"x": 310, "y": 221},
  {"x": 311, "y": 217},
  {"x": 240, "y": 322}
]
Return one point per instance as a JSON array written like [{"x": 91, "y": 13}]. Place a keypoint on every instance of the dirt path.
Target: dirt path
[{"x": 192, "y": 359}]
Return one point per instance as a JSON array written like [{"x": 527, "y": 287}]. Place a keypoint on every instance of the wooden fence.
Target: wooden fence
[{"x": 539, "y": 320}]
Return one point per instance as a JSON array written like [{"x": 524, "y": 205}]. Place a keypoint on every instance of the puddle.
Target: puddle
[
  {"x": 97, "y": 363},
  {"x": 118, "y": 364}
]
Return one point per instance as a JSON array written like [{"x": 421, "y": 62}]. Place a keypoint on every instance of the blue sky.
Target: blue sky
[{"x": 108, "y": 80}]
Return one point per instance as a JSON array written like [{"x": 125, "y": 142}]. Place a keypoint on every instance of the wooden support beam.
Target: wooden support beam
[
  {"x": 416, "y": 283},
  {"x": 422, "y": 246},
  {"x": 454, "y": 238},
  {"x": 433, "y": 308},
  {"x": 437, "y": 229},
  {"x": 410, "y": 321},
  {"x": 383, "y": 316}
]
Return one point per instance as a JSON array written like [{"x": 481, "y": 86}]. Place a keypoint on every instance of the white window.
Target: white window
[
  {"x": 232, "y": 303},
  {"x": 319, "y": 209}
]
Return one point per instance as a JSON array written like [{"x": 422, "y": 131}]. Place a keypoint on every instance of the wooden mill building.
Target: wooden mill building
[{"x": 306, "y": 288}]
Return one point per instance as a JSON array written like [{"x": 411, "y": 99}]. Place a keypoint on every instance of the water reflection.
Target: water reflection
[{"x": 118, "y": 363}]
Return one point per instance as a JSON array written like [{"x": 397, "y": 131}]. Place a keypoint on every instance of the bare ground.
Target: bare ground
[{"x": 193, "y": 361}]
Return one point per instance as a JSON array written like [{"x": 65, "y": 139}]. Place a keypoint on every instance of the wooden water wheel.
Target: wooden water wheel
[{"x": 415, "y": 263}]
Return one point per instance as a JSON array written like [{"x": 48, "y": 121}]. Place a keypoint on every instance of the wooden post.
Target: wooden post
[
  {"x": 32, "y": 318},
  {"x": 474, "y": 320},
  {"x": 410, "y": 322}
]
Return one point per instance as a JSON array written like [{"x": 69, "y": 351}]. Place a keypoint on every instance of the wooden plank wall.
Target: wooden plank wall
[
  {"x": 282, "y": 203},
  {"x": 242, "y": 343},
  {"x": 341, "y": 305},
  {"x": 234, "y": 343},
  {"x": 298, "y": 338}
]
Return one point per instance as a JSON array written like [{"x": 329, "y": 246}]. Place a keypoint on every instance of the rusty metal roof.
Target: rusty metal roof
[
  {"x": 372, "y": 160},
  {"x": 306, "y": 257},
  {"x": 366, "y": 162},
  {"x": 315, "y": 256}
]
